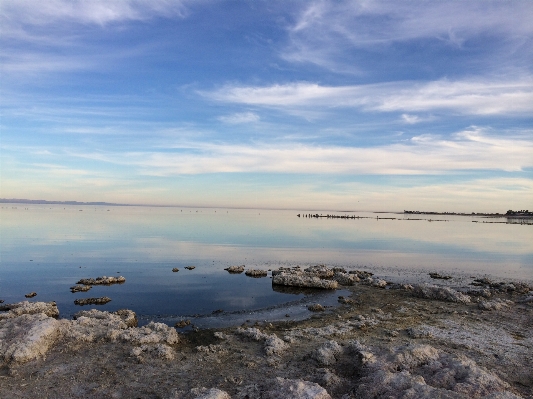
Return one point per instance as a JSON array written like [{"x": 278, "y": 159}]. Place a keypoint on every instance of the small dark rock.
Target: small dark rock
[
  {"x": 175, "y": 269},
  {"x": 316, "y": 308},
  {"x": 182, "y": 323},
  {"x": 92, "y": 301},
  {"x": 31, "y": 295},
  {"x": 439, "y": 276},
  {"x": 190, "y": 267}
]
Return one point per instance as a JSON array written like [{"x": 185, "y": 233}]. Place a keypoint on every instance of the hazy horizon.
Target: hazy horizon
[{"x": 371, "y": 106}]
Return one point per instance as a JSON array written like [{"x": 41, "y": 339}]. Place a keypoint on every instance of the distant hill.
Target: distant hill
[{"x": 45, "y": 202}]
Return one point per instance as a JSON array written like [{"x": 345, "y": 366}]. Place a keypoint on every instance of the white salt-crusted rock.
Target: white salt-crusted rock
[
  {"x": 256, "y": 273},
  {"x": 319, "y": 271},
  {"x": 25, "y": 307},
  {"x": 422, "y": 371},
  {"x": 27, "y": 337},
  {"x": 211, "y": 393},
  {"x": 345, "y": 278},
  {"x": 273, "y": 344},
  {"x": 295, "y": 389},
  {"x": 127, "y": 316},
  {"x": 303, "y": 281},
  {"x": 327, "y": 353},
  {"x": 94, "y": 325},
  {"x": 103, "y": 280},
  {"x": 161, "y": 351},
  {"x": 495, "y": 304},
  {"x": 152, "y": 333},
  {"x": 430, "y": 291}
]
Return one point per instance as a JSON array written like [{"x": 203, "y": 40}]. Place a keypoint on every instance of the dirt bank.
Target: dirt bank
[{"x": 408, "y": 342}]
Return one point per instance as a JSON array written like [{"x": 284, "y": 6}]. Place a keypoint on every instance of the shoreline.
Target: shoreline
[{"x": 376, "y": 343}]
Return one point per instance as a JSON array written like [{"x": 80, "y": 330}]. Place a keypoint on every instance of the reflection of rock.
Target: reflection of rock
[
  {"x": 16, "y": 309},
  {"x": 92, "y": 301},
  {"x": 294, "y": 280},
  {"x": 256, "y": 273},
  {"x": 102, "y": 280},
  {"x": 235, "y": 269},
  {"x": 31, "y": 295},
  {"x": 441, "y": 293},
  {"x": 80, "y": 288},
  {"x": 284, "y": 289},
  {"x": 175, "y": 269},
  {"x": 190, "y": 267}
]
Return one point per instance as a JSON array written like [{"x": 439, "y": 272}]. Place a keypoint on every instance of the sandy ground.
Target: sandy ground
[{"x": 385, "y": 343}]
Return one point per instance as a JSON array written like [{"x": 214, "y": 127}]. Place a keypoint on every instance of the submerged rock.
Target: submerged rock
[
  {"x": 256, "y": 273},
  {"x": 235, "y": 269},
  {"x": 102, "y": 280},
  {"x": 440, "y": 293},
  {"x": 293, "y": 280},
  {"x": 92, "y": 301},
  {"x": 25, "y": 307}
]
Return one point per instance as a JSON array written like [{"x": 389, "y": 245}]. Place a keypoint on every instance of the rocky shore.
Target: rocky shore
[{"x": 382, "y": 341}]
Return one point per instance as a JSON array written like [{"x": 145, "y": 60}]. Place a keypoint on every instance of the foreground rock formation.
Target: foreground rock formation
[{"x": 409, "y": 341}]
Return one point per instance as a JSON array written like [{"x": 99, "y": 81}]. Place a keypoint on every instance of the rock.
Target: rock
[
  {"x": 152, "y": 333},
  {"x": 190, "y": 267},
  {"x": 256, "y": 273},
  {"x": 346, "y": 301},
  {"x": 327, "y": 353},
  {"x": 92, "y": 301},
  {"x": 25, "y": 307},
  {"x": 175, "y": 269},
  {"x": 102, "y": 280},
  {"x": 422, "y": 371},
  {"x": 339, "y": 270},
  {"x": 212, "y": 393},
  {"x": 235, "y": 269},
  {"x": 361, "y": 274},
  {"x": 161, "y": 351},
  {"x": 440, "y": 293},
  {"x": 182, "y": 323},
  {"x": 295, "y": 389},
  {"x": 27, "y": 337},
  {"x": 495, "y": 304},
  {"x": 419, "y": 332},
  {"x": 484, "y": 292},
  {"x": 319, "y": 271},
  {"x": 128, "y": 316},
  {"x": 31, "y": 295},
  {"x": 439, "y": 276},
  {"x": 273, "y": 344},
  {"x": 316, "y": 308},
  {"x": 303, "y": 281},
  {"x": 345, "y": 278},
  {"x": 80, "y": 288}
]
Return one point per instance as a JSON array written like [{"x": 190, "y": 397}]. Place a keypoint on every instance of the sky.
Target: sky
[{"x": 319, "y": 105}]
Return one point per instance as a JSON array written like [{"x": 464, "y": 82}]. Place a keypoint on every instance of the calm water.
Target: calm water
[{"x": 47, "y": 249}]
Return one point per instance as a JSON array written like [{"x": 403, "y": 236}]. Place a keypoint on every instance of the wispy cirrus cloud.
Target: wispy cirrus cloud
[
  {"x": 324, "y": 31},
  {"x": 475, "y": 97},
  {"x": 240, "y": 117}
]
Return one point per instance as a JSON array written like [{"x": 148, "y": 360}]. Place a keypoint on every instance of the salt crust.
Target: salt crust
[
  {"x": 430, "y": 291},
  {"x": 273, "y": 344},
  {"x": 25, "y": 307}
]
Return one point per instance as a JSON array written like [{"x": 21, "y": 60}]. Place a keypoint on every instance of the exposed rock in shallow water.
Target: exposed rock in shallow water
[
  {"x": 439, "y": 276},
  {"x": 92, "y": 301},
  {"x": 182, "y": 323},
  {"x": 175, "y": 269},
  {"x": 190, "y": 267},
  {"x": 102, "y": 280},
  {"x": 27, "y": 337},
  {"x": 235, "y": 269},
  {"x": 80, "y": 288},
  {"x": 31, "y": 295},
  {"x": 345, "y": 278},
  {"x": 316, "y": 308},
  {"x": 256, "y": 273},
  {"x": 25, "y": 307},
  {"x": 303, "y": 281},
  {"x": 440, "y": 293}
]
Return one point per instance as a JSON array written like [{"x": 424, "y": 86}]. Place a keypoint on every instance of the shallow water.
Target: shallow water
[{"x": 47, "y": 249}]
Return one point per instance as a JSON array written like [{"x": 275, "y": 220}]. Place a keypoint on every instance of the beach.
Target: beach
[{"x": 380, "y": 341}]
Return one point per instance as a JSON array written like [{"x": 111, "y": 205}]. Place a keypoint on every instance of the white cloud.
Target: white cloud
[
  {"x": 477, "y": 97},
  {"x": 469, "y": 150},
  {"x": 240, "y": 117}
]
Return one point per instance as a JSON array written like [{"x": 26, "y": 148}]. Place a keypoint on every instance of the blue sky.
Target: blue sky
[{"x": 363, "y": 105}]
